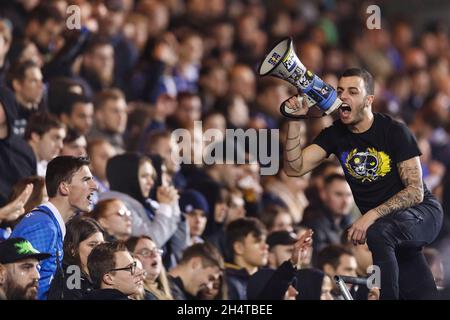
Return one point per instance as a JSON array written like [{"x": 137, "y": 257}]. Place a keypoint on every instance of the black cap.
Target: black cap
[
  {"x": 283, "y": 238},
  {"x": 16, "y": 249}
]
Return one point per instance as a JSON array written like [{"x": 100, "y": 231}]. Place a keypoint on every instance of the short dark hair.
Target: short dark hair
[
  {"x": 44, "y": 12},
  {"x": 106, "y": 95},
  {"x": 270, "y": 214},
  {"x": 95, "y": 42},
  {"x": 329, "y": 179},
  {"x": 321, "y": 168},
  {"x": 79, "y": 229},
  {"x": 18, "y": 71},
  {"x": 239, "y": 229},
  {"x": 363, "y": 74},
  {"x": 61, "y": 169},
  {"x": 71, "y": 99},
  {"x": 102, "y": 259},
  {"x": 332, "y": 255},
  {"x": 132, "y": 242},
  {"x": 72, "y": 135},
  {"x": 40, "y": 123},
  {"x": 209, "y": 255}
]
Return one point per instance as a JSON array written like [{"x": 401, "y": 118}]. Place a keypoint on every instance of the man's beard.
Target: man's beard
[{"x": 14, "y": 292}]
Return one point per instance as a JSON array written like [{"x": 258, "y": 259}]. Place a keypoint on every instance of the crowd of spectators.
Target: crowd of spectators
[{"x": 138, "y": 225}]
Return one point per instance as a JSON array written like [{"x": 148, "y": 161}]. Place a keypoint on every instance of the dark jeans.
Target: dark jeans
[{"x": 396, "y": 243}]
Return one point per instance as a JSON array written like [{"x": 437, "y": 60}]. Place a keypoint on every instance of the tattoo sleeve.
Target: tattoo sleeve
[
  {"x": 293, "y": 152},
  {"x": 410, "y": 173}
]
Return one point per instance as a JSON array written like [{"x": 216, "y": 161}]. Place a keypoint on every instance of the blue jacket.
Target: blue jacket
[{"x": 42, "y": 229}]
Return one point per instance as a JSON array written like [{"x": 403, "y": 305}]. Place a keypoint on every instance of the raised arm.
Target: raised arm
[{"x": 298, "y": 162}]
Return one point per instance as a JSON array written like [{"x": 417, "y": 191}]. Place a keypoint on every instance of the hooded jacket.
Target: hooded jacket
[
  {"x": 309, "y": 284},
  {"x": 122, "y": 174},
  {"x": 17, "y": 159}
]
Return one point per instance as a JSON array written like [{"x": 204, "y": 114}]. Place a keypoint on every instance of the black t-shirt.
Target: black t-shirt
[{"x": 370, "y": 159}]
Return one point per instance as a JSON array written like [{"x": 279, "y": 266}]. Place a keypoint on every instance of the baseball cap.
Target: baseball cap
[
  {"x": 16, "y": 249},
  {"x": 191, "y": 200},
  {"x": 283, "y": 238}
]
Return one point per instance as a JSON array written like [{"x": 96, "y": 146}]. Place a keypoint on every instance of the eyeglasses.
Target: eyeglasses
[
  {"x": 131, "y": 268},
  {"x": 124, "y": 213},
  {"x": 149, "y": 252}
]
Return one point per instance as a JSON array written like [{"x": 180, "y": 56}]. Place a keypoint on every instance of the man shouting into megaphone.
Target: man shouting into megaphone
[{"x": 380, "y": 158}]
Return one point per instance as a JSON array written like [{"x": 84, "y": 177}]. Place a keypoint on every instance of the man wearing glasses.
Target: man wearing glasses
[{"x": 113, "y": 272}]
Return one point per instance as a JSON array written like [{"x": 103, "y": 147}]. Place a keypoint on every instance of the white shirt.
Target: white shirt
[
  {"x": 41, "y": 168},
  {"x": 58, "y": 216}
]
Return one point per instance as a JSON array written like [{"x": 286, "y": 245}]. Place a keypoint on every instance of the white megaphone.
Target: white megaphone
[{"x": 283, "y": 63}]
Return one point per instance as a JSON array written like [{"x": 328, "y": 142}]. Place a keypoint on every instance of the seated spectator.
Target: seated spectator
[
  {"x": 246, "y": 239},
  {"x": 228, "y": 208},
  {"x": 78, "y": 113},
  {"x": 199, "y": 267},
  {"x": 280, "y": 283},
  {"x": 110, "y": 118},
  {"x": 313, "y": 284},
  {"x": 25, "y": 79},
  {"x": 195, "y": 206},
  {"x": 82, "y": 235},
  {"x": 114, "y": 217},
  {"x": 141, "y": 294},
  {"x": 6, "y": 39},
  {"x": 281, "y": 246},
  {"x": 333, "y": 216},
  {"x": 16, "y": 157},
  {"x": 361, "y": 253},
  {"x": 316, "y": 181},
  {"x": 45, "y": 135},
  {"x": 100, "y": 151},
  {"x": 74, "y": 144},
  {"x": 288, "y": 192},
  {"x": 337, "y": 260},
  {"x": 131, "y": 178},
  {"x": 43, "y": 26},
  {"x": 19, "y": 269},
  {"x": 277, "y": 219},
  {"x": 218, "y": 290},
  {"x": 97, "y": 66},
  {"x": 156, "y": 283},
  {"x": 113, "y": 272}
]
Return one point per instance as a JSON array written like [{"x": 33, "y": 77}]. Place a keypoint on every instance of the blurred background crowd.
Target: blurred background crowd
[{"x": 116, "y": 88}]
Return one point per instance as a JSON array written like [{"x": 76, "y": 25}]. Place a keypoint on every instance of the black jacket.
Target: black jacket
[
  {"x": 105, "y": 294},
  {"x": 178, "y": 291},
  {"x": 237, "y": 280},
  {"x": 17, "y": 160},
  {"x": 59, "y": 288}
]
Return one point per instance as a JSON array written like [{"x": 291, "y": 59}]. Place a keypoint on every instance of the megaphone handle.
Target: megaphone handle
[
  {"x": 298, "y": 116},
  {"x": 290, "y": 115}
]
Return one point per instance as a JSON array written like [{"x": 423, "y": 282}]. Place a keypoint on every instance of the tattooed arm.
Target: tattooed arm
[{"x": 410, "y": 172}]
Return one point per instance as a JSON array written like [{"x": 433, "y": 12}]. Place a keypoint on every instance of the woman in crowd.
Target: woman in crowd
[
  {"x": 114, "y": 217},
  {"x": 156, "y": 284},
  {"x": 131, "y": 177},
  {"x": 82, "y": 235}
]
